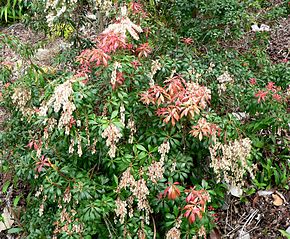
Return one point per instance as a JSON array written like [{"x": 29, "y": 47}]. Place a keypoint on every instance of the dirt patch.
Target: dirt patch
[
  {"x": 279, "y": 48},
  {"x": 258, "y": 218},
  {"x": 23, "y": 33}
]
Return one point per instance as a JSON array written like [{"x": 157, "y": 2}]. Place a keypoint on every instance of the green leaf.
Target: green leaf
[
  {"x": 285, "y": 234},
  {"x": 141, "y": 147},
  {"x": 16, "y": 200},
  {"x": 14, "y": 230},
  {"x": 5, "y": 187},
  {"x": 114, "y": 114},
  {"x": 169, "y": 216},
  {"x": 258, "y": 143},
  {"x": 175, "y": 210},
  {"x": 115, "y": 179}
]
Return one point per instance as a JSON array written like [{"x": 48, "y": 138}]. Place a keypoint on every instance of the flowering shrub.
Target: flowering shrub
[{"x": 140, "y": 139}]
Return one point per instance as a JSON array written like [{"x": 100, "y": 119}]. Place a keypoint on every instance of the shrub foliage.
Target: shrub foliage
[{"x": 149, "y": 127}]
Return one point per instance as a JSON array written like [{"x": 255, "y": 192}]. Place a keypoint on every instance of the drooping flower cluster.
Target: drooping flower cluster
[
  {"x": 68, "y": 223},
  {"x": 61, "y": 99},
  {"x": 21, "y": 96},
  {"x": 113, "y": 135},
  {"x": 121, "y": 209},
  {"x": 57, "y": 8},
  {"x": 229, "y": 161},
  {"x": 223, "y": 80},
  {"x": 262, "y": 28},
  {"x": 163, "y": 149},
  {"x": 196, "y": 206},
  {"x": 174, "y": 232},
  {"x": 154, "y": 68},
  {"x": 131, "y": 125},
  {"x": 139, "y": 191},
  {"x": 178, "y": 98},
  {"x": 117, "y": 76},
  {"x": 123, "y": 25},
  {"x": 122, "y": 114},
  {"x": 156, "y": 169}
]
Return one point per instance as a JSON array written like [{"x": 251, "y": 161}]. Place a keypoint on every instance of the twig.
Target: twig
[
  {"x": 250, "y": 219},
  {"x": 154, "y": 227}
]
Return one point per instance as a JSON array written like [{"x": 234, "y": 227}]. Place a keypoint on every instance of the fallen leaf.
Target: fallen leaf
[
  {"x": 277, "y": 201},
  {"x": 281, "y": 196},
  {"x": 265, "y": 193},
  {"x": 255, "y": 200},
  {"x": 244, "y": 235},
  {"x": 7, "y": 221},
  {"x": 236, "y": 191}
]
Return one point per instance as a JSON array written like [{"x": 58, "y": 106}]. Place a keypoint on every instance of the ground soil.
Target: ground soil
[{"x": 258, "y": 217}]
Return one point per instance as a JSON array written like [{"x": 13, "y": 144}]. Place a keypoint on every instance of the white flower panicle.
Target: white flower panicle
[
  {"x": 230, "y": 160},
  {"x": 139, "y": 191},
  {"x": 41, "y": 209},
  {"x": 121, "y": 209},
  {"x": 131, "y": 125},
  {"x": 174, "y": 232},
  {"x": 61, "y": 95},
  {"x": 127, "y": 180},
  {"x": 21, "y": 96},
  {"x": 67, "y": 196},
  {"x": 223, "y": 80},
  {"x": 113, "y": 135},
  {"x": 56, "y": 8},
  {"x": 104, "y": 5},
  {"x": 163, "y": 149},
  {"x": 61, "y": 100},
  {"x": 123, "y": 25},
  {"x": 71, "y": 146},
  {"x": 154, "y": 68},
  {"x": 262, "y": 28},
  {"x": 117, "y": 66},
  {"x": 156, "y": 171},
  {"x": 122, "y": 114},
  {"x": 80, "y": 151},
  {"x": 173, "y": 167}
]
